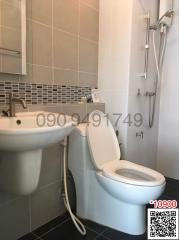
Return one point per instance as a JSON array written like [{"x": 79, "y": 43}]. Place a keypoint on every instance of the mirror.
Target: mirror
[{"x": 13, "y": 36}]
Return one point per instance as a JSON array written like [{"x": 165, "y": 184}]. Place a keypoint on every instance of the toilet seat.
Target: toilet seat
[
  {"x": 131, "y": 173},
  {"x": 105, "y": 152}
]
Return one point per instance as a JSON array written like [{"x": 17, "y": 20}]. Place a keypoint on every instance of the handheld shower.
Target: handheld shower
[
  {"x": 165, "y": 19},
  {"x": 162, "y": 26},
  {"x": 168, "y": 14}
]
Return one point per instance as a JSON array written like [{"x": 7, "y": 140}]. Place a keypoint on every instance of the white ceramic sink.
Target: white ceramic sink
[
  {"x": 33, "y": 130},
  {"x": 22, "y": 140}
]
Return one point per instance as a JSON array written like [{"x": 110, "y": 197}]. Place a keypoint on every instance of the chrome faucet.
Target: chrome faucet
[{"x": 12, "y": 101}]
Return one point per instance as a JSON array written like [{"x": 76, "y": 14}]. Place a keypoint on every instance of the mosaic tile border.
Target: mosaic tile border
[{"x": 42, "y": 93}]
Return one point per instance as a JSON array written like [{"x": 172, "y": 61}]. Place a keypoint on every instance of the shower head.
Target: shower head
[{"x": 168, "y": 14}]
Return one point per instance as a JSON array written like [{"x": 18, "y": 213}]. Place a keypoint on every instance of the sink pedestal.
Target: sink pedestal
[
  {"x": 20, "y": 171},
  {"x": 22, "y": 139}
]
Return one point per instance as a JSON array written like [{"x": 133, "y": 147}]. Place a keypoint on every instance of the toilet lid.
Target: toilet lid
[{"x": 102, "y": 140}]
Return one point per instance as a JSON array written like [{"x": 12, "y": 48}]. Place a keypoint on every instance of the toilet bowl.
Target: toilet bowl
[
  {"x": 131, "y": 182},
  {"x": 110, "y": 191}
]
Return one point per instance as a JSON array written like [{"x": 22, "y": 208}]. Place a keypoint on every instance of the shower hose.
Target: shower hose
[
  {"x": 78, "y": 224},
  {"x": 159, "y": 64}
]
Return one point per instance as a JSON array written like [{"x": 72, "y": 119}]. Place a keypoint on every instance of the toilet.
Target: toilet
[{"x": 110, "y": 191}]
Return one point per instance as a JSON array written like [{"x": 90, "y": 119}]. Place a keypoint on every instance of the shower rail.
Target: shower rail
[{"x": 147, "y": 41}]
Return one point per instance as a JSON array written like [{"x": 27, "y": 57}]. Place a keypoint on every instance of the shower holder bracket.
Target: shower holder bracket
[
  {"x": 143, "y": 75},
  {"x": 147, "y": 16}
]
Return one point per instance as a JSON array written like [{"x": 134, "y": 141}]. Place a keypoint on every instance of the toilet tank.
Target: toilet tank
[
  {"x": 78, "y": 155},
  {"x": 80, "y": 164}
]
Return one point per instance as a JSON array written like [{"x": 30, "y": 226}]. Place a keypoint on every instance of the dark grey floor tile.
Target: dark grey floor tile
[
  {"x": 172, "y": 181},
  {"x": 50, "y": 225},
  {"x": 165, "y": 197},
  {"x": 57, "y": 229},
  {"x": 68, "y": 231},
  {"x": 132, "y": 237},
  {"x": 94, "y": 226},
  {"x": 29, "y": 236},
  {"x": 144, "y": 237},
  {"x": 102, "y": 238},
  {"x": 115, "y": 235},
  {"x": 171, "y": 190}
]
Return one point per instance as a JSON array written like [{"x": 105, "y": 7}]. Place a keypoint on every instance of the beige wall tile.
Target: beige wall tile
[
  {"x": 89, "y": 23},
  {"x": 29, "y": 41},
  {"x": 14, "y": 219},
  {"x": 88, "y": 56},
  {"x": 42, "y": 11},
  {"x": 6, "y": 197},
  {"x": 0, "y": 17},
  {"x": 19, "y": 108},
  {"x": 28, "y": 76},
  {"x": 49, "y": 108},
  {"x": 11, "y": 64},
  {"x": 38, "y": 107},
  {"x": 10, "y": 15},
  {"x": 56, "y": 109},
  {"x": 88, "y": 79},
  {"x": 65, "y": 50},
  {"x": 10, "y": 38},
  {"x": 29, "y": 9},
  {"x": 9, "y": 77},
  {"x": 95, "y": 106},
  {"x": 92, "y": 3},
  {"x": 46, "y": 204},
  {"x": 15, "y": 3},
  {"x": 42, "y": 44},
  {"x": 51, "y": 165},
  {"x": 75, "y": 110},
  {"x": 66, "y": 15},
  {"x": 39, "y": 38},
  {"x": 41, "y": 74},
  {"x": 65, "y": 77}
]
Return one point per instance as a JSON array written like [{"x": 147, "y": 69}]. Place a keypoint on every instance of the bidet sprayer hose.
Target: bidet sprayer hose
[{"x": 78, "y": 224}]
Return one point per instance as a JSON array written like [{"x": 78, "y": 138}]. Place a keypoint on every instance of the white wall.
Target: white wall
[
  {"x": 142, "y": 151},
  {"x": 168, "y": 139},
  {"x": 114, "y": 56},
  {"x": 121, "y": 59}
]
